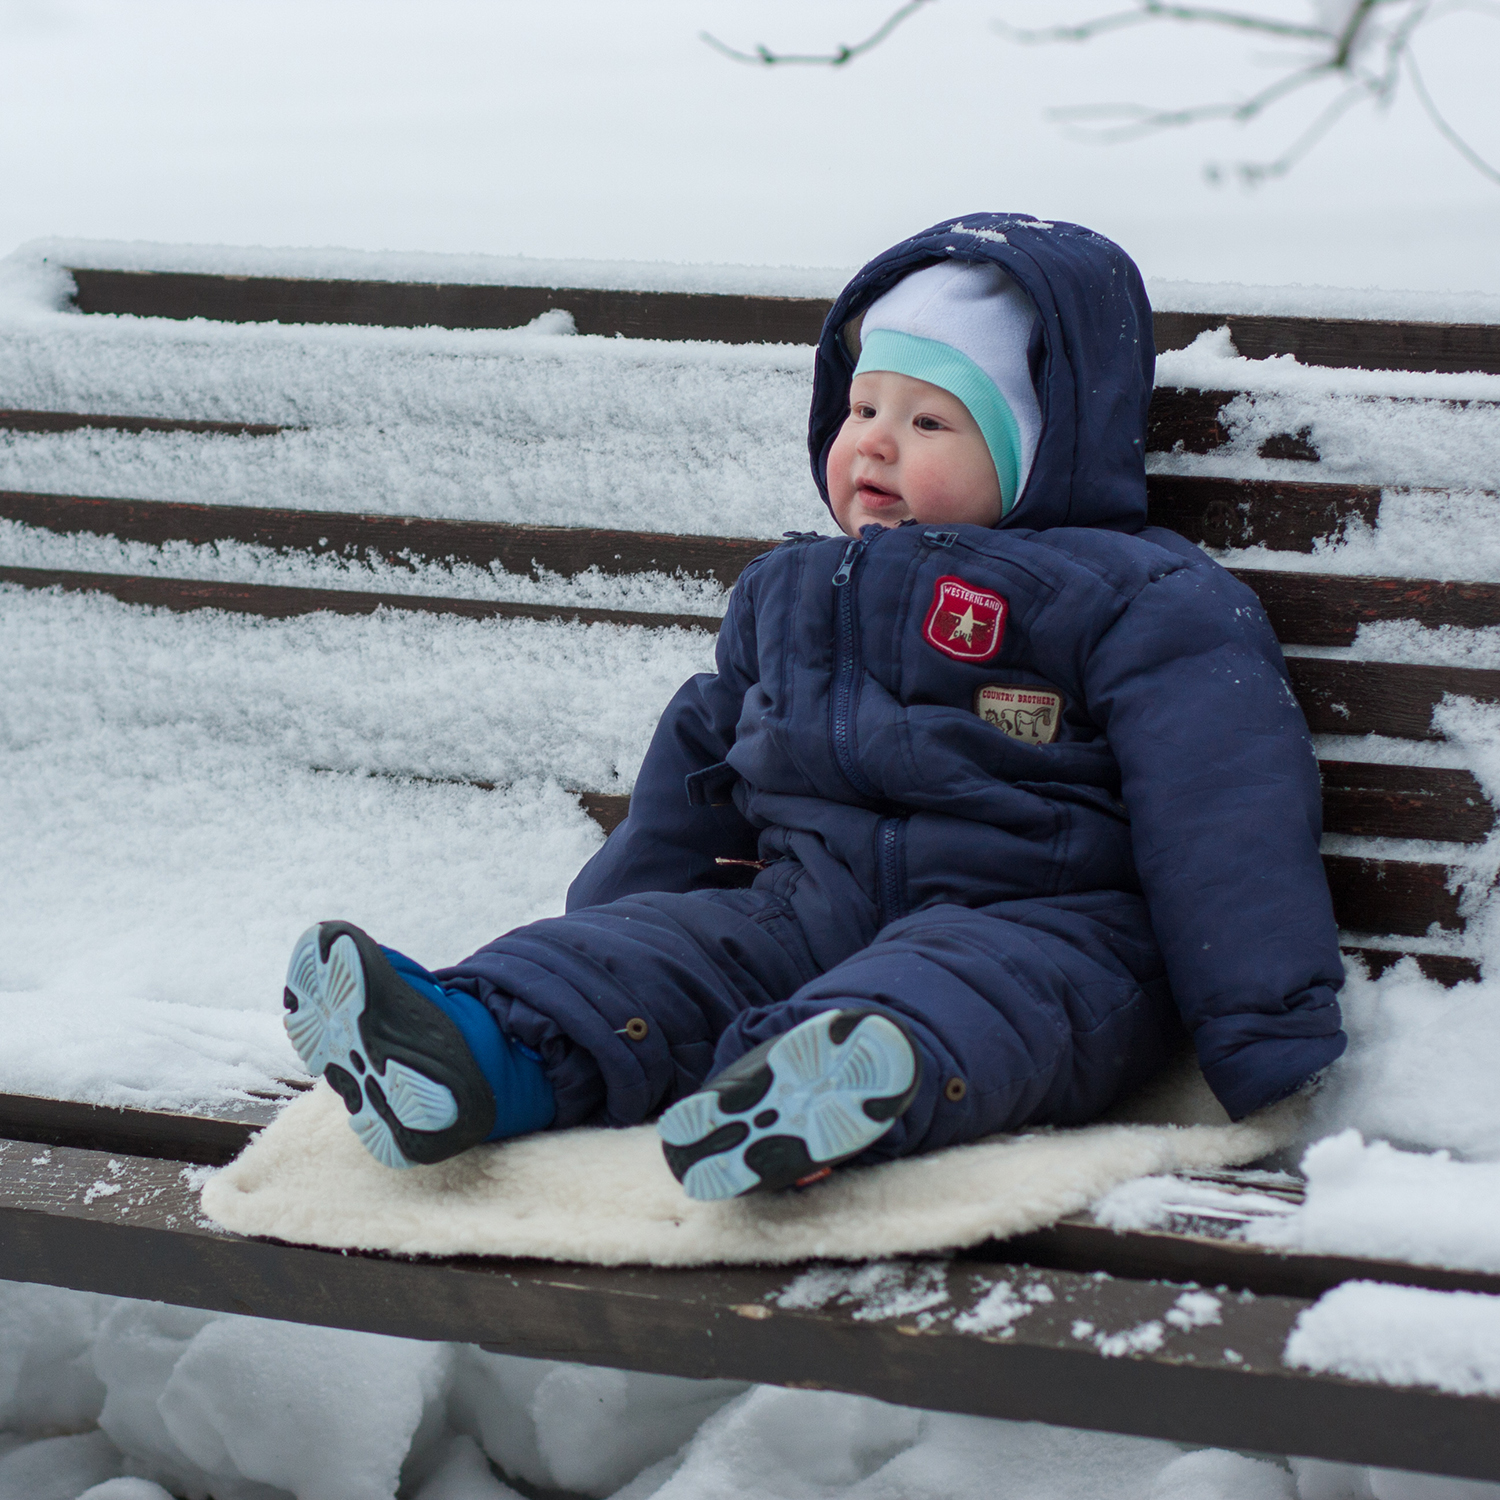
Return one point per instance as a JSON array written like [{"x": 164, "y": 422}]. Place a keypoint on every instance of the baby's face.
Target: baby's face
[{"x": 909, "y": 451}]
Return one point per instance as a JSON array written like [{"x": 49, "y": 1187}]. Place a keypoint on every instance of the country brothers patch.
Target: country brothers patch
[
  {"x": 964, "y": 622},
  {"x": 1031, "y": 715}
]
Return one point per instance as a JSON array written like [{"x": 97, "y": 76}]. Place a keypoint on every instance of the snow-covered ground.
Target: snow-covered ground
[{"x": 246, "y": 1409}]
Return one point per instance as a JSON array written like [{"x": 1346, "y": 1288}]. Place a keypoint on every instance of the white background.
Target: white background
[{"x": 609, "y": 130}]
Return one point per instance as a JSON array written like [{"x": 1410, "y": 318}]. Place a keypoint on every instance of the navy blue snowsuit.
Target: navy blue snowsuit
[{"x": 1046, "y": 918}]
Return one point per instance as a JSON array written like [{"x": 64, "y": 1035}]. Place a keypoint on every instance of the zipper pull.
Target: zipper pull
[
  {"x": 940, "y": 538},
  {"x": 846, "y": 567}
]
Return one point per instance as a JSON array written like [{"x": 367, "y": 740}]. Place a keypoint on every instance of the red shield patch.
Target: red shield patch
[{"x": 965, "y": 623}]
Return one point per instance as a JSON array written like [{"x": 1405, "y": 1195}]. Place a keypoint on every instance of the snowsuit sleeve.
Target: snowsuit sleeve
[
  {"x": 673, "y": 835},
  {"x": 1220, "y": 779}
]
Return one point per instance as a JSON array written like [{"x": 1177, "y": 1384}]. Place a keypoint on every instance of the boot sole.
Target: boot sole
[
  {"x": 400, "y": 1112},
  {"x": 821, "y": 1094}
]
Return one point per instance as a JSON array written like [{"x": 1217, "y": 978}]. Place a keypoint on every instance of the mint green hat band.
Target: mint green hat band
[{"x": 943, "y": 366}]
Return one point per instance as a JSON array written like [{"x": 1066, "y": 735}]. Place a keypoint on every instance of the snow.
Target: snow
[
  {"x": 524, "y": 425},
  {"x": 158, "y": 951},
  {"x": 252, "y": 1409},
  {"x": 1402, "y": 1335},
  {"x": 1373, "y": 1199}
]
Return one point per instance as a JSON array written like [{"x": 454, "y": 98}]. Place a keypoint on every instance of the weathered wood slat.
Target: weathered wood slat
[
  {"x": 1080, "y": 1244},
  {"x": 726, "y": 318},
  {"x": 144, "y": 1240},
  {"x": 272, "y": 602},
  {"x": 1387, "y": 895},
  {"x": 1370, "y": 344},
  {"x": 396, "y": 540},
  {"x": 1404, "y": 802},
  {"x": 1388, "y": 698},
  {"x": 1282, "y": 515},
  {"x": 67, "y": 421},
  {"x": 1214, "y": 512},
  {"x": 1445, "y": 968},
  {"x": 730, "y": 318},
  {"x": 1327, "y": 609},
  {"x": 202, "y": 1139},
  {"x": 1186, "y": 419}
]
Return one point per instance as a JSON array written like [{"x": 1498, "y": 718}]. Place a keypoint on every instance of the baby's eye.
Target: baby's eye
[
  {"x": 863, "y": 409},
  {"x": 928, "y": 424}
]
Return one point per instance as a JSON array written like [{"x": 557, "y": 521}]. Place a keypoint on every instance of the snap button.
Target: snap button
[
  {"x": 954, "y": 1090},
  {"x": 636, "y": 1029}
]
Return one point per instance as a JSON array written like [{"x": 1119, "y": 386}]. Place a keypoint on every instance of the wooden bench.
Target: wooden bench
[{"x": 144, "y": 1238}]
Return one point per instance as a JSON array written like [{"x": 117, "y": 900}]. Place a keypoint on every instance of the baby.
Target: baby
[{"x": 989, "y": 801}]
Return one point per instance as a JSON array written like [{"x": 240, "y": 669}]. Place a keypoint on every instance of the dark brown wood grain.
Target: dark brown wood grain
[
  {"x": 1395, "y": 699},
  {"x": 1284, "y": 515},
  {"x": 1080, "y": 1244},
  {"x": 69, "y": 421},
  {"x": 272, "y": 602},
  {"x": 1391, "y": 896},
  {"x": 1404, "y": 802},
  {"x": 147, "y": 1241},
  {"x": 729, "y": 318},
  {"x": 1327, "y": 609},
  {"x": 204, "y": 1138},
  {"x": 1446, "y": 968},
  {"x": 1212, "y": 511},
  {"x": 1371, "y": 344},
  {"x": 400, "y": 541},
  {"x": 726, "y": 318}
]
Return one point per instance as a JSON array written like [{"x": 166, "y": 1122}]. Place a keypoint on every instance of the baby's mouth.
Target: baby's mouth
[{"x": 875, "y": 497}]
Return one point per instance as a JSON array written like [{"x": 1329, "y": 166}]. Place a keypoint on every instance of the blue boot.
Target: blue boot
[
  {"x": 424, "y": 1072},
  {"x": 788, "y": 1112}
]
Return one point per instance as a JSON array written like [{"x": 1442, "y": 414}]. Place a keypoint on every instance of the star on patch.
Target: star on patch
[{"x": 965, "y": 622}]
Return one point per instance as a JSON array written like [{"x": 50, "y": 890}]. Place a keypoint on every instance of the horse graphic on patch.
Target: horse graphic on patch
[
  {"x": 965, "y": 622},
  {"x": 1029, "y": 714}
]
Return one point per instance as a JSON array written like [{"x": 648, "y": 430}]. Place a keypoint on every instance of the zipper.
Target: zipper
[
  {"x": 890, "y": 869},
  {"x": 846, "y": 669}
]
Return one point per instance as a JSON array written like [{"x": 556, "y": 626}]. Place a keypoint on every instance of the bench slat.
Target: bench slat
[
  {"x": 67, "y": 421},
  {"x": 567, "y": 550},
  {"x": 1338, "y": 696},
  {"x": 202, "y": 1139},
  {"x": 1396, "y": 699},
  {"x": 1446, "y": 968},
  {"x": 1186, "y": 418},
  {"x": 1291, "y": 517},
  {"x": 145, "y": 1241},
  {"x": 1404, "y": 802},
  {"x": 1327, "y": 609},
  {"x": 730, "y": 318},
  {"x": 273, "y": 602}
]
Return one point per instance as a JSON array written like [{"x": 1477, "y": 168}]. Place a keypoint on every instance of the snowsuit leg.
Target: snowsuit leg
[
  {"x": 1044, "y": 1011},
  {"x": 685, "y": 964}
]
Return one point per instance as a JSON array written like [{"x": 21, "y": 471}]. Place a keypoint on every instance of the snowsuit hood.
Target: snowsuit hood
[{"x": 1092, "y": 361}]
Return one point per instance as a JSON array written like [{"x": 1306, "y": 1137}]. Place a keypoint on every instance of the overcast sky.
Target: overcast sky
[{"x": 600, "y": 128}]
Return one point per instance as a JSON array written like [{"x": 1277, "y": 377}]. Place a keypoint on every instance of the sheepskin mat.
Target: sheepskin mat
[{"x": 606, "y": 1196}]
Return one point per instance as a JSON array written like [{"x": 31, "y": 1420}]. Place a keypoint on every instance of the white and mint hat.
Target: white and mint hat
[{"x": 964, "y": 327}]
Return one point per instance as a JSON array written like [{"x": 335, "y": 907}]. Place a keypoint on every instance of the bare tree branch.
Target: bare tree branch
[
  {"x": 1147, "y": 11},
  {"x": 835, "y": 59},
  {"x": 1339, "y": 54},
  {"x": 1454, "y": 139}
]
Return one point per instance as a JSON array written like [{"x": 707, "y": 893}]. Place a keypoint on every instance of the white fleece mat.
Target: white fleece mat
[{"x": 606, "y": 1196}]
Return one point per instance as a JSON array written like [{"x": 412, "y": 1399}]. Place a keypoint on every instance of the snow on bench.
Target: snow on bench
[{"x": 104, "y": 1198}]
